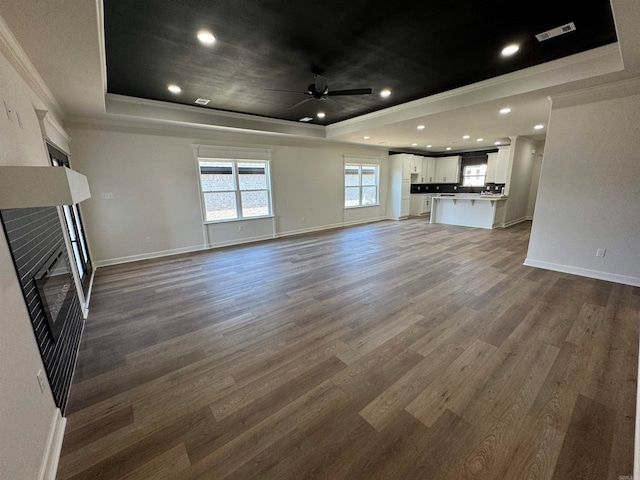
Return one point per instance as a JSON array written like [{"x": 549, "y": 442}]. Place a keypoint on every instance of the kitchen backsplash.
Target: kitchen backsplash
[{"x": 451, "y": 188}]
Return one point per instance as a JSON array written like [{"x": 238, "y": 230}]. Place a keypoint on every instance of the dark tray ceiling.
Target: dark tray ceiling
[{"x": 416, "y": 49}]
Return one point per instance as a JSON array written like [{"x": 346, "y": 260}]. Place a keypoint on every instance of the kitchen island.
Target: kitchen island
[{"x": 469, "y": 210}]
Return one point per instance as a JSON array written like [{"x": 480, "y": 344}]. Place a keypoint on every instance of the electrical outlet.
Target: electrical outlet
[
  {"x": 149, "y": 240},
  {"x": 107, "y": 196},
  {"x": 40, "y": 377},
  {"x": 240, "y": 228},
  {"x": 600, "y": 252}
]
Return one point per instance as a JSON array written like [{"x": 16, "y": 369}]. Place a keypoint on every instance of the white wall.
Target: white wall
[
  {"x": 589, "y": 193},
  {"x": 27, "y": 416},
  {"x": 154, "y": 180},
  {"x": 535, "y": 179},
  {"x": 520, "y": 177}
]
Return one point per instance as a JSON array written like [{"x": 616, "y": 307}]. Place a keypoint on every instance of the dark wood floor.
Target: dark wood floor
[{"x": 397, "y": 350}]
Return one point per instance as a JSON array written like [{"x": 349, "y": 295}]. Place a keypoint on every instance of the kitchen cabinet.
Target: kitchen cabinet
[
  {"x": 492, "y": 163},
  {"x": 426, "y": 204},
  {"x": 447, "y": 169},
  {"x": 498, "y": 166},
  {"x": 416, "y": 166},
  {"x": 399, "y": 186},
  {"x": 420, "y": 204},
  {"x": 428, "y": 170}
]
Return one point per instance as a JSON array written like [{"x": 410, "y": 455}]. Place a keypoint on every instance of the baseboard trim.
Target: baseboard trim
[
  {"x": 147, "y": 256},
  {"x": 232, "y": 243},
  {"x": 363, "y": 221},
  {"x": 511, "y": 223},
  {"x": 303, "y": 231},
  {"x": 584, "y": 272},
  {"x": 49, "y": 466}
]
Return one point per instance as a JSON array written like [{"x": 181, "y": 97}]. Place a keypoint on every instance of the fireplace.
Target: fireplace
[{"x": 55, "y": 286}]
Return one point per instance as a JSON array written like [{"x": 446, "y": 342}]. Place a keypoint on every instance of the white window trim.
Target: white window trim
[
  {"x": 362, "y": 162},
  {"x": 221, "y": 153}
]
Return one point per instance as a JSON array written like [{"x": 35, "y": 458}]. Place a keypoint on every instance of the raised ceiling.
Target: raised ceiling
[{"x": 415, "y": 49}]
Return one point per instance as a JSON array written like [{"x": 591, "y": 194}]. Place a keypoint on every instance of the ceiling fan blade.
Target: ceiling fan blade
[
  {"x": 300, "y": 103},
  {"x": 285, "y": 91},
  {"x": 353, "y": 91},
  {"x": 332, "y": 104}
]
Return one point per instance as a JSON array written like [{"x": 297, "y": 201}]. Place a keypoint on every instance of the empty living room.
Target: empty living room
[{"x": 352, "y": 241}]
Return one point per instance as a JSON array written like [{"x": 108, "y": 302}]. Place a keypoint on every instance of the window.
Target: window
[
  {"x": 234, "y": 189},
  {"x": 360, "y": 185},
  {"x": 474, "y": 175}
]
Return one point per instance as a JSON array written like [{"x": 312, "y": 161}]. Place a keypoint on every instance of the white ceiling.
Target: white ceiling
[{"x": 64, "y": 41}]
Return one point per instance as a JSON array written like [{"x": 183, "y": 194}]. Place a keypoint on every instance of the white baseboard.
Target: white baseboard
[
  {"x": 363, "y": 221},
  {"x": 290, "y": 233},
  {"x": 231, "y": 243},
  {"x": 511, "y": 223},
  {"x": 147, "y": 256},
  {"x": 584, "y": 272},
  {"x": 302, "y": 231},
  {"x": 51, "y": 457}
]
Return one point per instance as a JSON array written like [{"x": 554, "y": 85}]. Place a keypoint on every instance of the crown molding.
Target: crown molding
[
  {"x": 178, "y": 114},
  {"x": 18, "y": 58},
  {"x": 592, "y": 63},
  {"x": 598, "y": 93}
]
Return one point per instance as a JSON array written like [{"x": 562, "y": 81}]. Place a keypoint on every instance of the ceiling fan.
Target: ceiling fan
[{"x": 323, "y": 93}]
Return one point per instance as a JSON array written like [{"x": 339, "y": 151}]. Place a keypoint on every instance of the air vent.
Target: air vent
[
  {"x": 202, "y": 101},
  {"x": 306, "y": 119},
  {"x": 554, "y": 32}
]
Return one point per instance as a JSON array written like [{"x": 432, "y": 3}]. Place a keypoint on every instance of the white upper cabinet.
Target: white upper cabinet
[
  {"x": 447, "y": 170},
  {"x": 502, "y": 164},
  {"x": 428, "y": 170},
  {"x": 492, "y": 164},
  {"x": 498, "y": 166},
  {"x": 416, "y": 167}
]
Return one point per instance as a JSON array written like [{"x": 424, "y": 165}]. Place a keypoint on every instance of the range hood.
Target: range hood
[{"x": 23, "y": 187}]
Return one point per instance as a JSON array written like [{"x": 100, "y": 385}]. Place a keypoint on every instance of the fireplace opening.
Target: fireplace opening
[{"x": 55, "y": 286}]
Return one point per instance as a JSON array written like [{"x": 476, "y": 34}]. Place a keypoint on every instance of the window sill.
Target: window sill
[
  {"x": 362, "y": 206},
  {"x": 231, "y": 220}
]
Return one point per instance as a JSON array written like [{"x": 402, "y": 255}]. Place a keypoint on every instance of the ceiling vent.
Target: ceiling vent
[
  {"x": 306, "y": 119},
  {"x": 202, "y": 101},
  {"x": 554, "y": 32}
]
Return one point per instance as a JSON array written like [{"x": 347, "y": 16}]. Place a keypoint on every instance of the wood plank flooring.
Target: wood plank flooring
[{"x": 394, "y": 350}]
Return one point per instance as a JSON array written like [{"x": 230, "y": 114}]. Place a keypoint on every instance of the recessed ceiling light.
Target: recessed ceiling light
[
  {"x": 465, "y": 137},
  {"x": 448, "y": 148},
  {"x": 366, "y": 137},
  {"x": 479, "y": 139},
  {"x": 496, "y": 143},
  {"x": 385, "y": 93},
  {"x": 539, "y": 127},
  {"x": 420, "y": 127},
  {"x": 306, "y": 119},
  {"x": 510, "y": 50},
  {"x": 429, "y": 146},
  {"x": 206, "y": 38},
  {"x": 321, "y": 115},
  {"x": 174, "y": 89},
  {"x": 504, "y": 111},
  {"x": 414, "y": 144}
]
